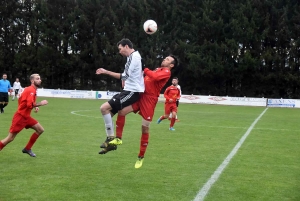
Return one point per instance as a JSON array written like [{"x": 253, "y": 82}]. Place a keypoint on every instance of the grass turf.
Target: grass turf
[{"x": 176, "y": 166}]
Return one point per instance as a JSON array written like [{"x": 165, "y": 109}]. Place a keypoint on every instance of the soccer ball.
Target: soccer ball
[{"x": 150, "y": 26}]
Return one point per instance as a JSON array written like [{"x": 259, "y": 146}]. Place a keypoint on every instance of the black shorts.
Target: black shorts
[
  {"x": 16, "y": 91},
  {"x": 3, "y": 97},
  {"x": 123, "y": 99},
  {"x": 177, "y": 103}
]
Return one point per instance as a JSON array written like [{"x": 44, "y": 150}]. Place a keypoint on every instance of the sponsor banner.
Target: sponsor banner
[
  {"x": 223, "y": 100},
  {"x": 283, "y": 103},
  {"x": 110, "y": 94},
  {"x": 82, "y": 94},
  {"x": 106, "y": 94},
  {"x": 66, "y": 93}
]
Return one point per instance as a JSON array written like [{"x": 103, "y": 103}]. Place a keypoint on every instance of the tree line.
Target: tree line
[{"x": 235, "y": 48}]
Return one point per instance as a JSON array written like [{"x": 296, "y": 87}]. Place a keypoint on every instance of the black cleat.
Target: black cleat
[
  {"x": 29, "y": 152},
  {"x": 108, "y": 148},
  {"x": 105, "y": 143}
]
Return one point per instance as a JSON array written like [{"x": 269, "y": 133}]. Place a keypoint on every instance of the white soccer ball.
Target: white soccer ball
[{"x": 150, "y": 27}]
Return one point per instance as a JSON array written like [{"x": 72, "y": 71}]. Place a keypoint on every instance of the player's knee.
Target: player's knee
[
  {"x": 105, "y": 108},
  {"x": 39, "y": 130},
  {"x": 145, "y": 123},
  {"x": 10, "y": 138}
]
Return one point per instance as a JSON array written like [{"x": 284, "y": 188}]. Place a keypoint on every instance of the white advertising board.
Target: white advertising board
[
  {"x": 66, "y": 93},
  {"x": 283, "y": 103},
  {"x": 223, "y": 100},
  {"x": 197, "y": 99}
]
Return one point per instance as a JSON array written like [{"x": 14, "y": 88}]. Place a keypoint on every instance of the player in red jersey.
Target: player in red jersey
[
  {"x": 154, "y": 81},
  {"x": 171, "y": 94},
  {"x": 22, "y": 118}
]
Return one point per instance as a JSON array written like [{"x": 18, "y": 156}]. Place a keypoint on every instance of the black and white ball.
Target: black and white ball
[{"x": 150, "y": 27}]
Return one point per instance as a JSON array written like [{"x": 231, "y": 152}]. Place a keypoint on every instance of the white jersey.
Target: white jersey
[
  {"x": 178, "y": 86},
  {"x": 133, "y": 73},
  {"x": 17, "y": 85}
]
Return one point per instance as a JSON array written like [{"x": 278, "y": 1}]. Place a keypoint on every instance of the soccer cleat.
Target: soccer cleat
[
  {"x": 105, "y": 143},
  {"x": 139, "y": 162},
  {"x": 2, "y": 110},
  {"x": 116, "y": 141},
  {"x": 159, "y": 120},
  {"x": 108, "y": 148},
  {"x": 172, "y": 129},
  {"x": 29, "y": 152}
]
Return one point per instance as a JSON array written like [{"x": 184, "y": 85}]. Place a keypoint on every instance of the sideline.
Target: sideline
[{"x": 214, "y": 177}]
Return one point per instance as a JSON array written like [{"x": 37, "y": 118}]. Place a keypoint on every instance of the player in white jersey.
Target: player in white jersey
[
  {"x": 175, "y": 83},
  {"x": 132, "y": 83},
  {"x": 17, "y": 87}
]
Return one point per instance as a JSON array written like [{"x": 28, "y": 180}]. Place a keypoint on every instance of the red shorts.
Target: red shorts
[
  {"x": 19, "y": 122},
  {"x": 170, "y": 107},
  {"x": 145, "y": 106}
]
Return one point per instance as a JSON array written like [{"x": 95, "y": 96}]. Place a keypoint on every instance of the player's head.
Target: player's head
[
  {"x": 125, "y": 47},
  {"x": 175, "y": 81},
  {"x": 17, "y": 79},
  {"x": 170, "y": 61},
  {"x": 35, "y": 80},
  {"x": 4, "y": 76}
]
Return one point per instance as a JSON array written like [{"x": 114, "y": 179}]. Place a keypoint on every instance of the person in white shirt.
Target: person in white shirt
[
  {"x": 175, "y": 83},
  {"x": 16, "y": 87},
  {"x": 133, "y": 84}
]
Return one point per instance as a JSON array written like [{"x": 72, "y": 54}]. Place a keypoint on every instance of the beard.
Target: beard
[{"x": 37, "y": 84}]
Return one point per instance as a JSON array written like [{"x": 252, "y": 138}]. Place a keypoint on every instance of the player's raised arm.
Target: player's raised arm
[{"x": 103, "y": 71}]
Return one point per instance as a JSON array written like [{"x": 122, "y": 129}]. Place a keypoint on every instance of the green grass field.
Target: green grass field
[{"x": 176, "y": 166}]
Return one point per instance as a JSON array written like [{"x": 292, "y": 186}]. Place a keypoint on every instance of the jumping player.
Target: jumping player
[{"x": 145, "y": 106}]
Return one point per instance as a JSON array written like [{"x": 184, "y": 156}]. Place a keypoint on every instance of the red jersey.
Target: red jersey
[
  {"x": 172, "y": 92},
  {"x": 27, "y": 101},
  {"x": 155, "y": 80}
]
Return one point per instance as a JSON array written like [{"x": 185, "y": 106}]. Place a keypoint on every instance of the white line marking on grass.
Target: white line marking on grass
[
  {"x": 214, "y": 177},
  {"x": 75, "y": 112}
]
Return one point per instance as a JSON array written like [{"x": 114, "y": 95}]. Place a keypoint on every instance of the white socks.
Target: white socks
[{"x": 109, "y": 128}]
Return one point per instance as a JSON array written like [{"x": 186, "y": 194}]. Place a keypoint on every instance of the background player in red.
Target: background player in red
[
  {"x": 175, "y": 83},
  {"x": 22, "y": 118},
  {"x": 154, "y": 82},
  {"x": 172, "y": 94}
]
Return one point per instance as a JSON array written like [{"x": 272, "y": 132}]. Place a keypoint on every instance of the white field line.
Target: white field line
[
  {"x": 214, "y": 177},
  {"x": 181, "y": 123}
]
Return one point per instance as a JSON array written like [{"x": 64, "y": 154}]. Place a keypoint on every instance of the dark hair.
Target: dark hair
[
  {"x": 175, "y": 61},
  {"x": 125, "y": 41},
  {"x": 175, "y": 78}
]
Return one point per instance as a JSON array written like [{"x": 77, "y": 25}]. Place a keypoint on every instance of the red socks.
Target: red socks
[
  {"x": 31, "y": 141},
  {"x": 172, "y": 122},
  {"x": 119, "y": 126},
  {"x": 144, "y": 144},
  {"x": 1, "y": 145}
]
